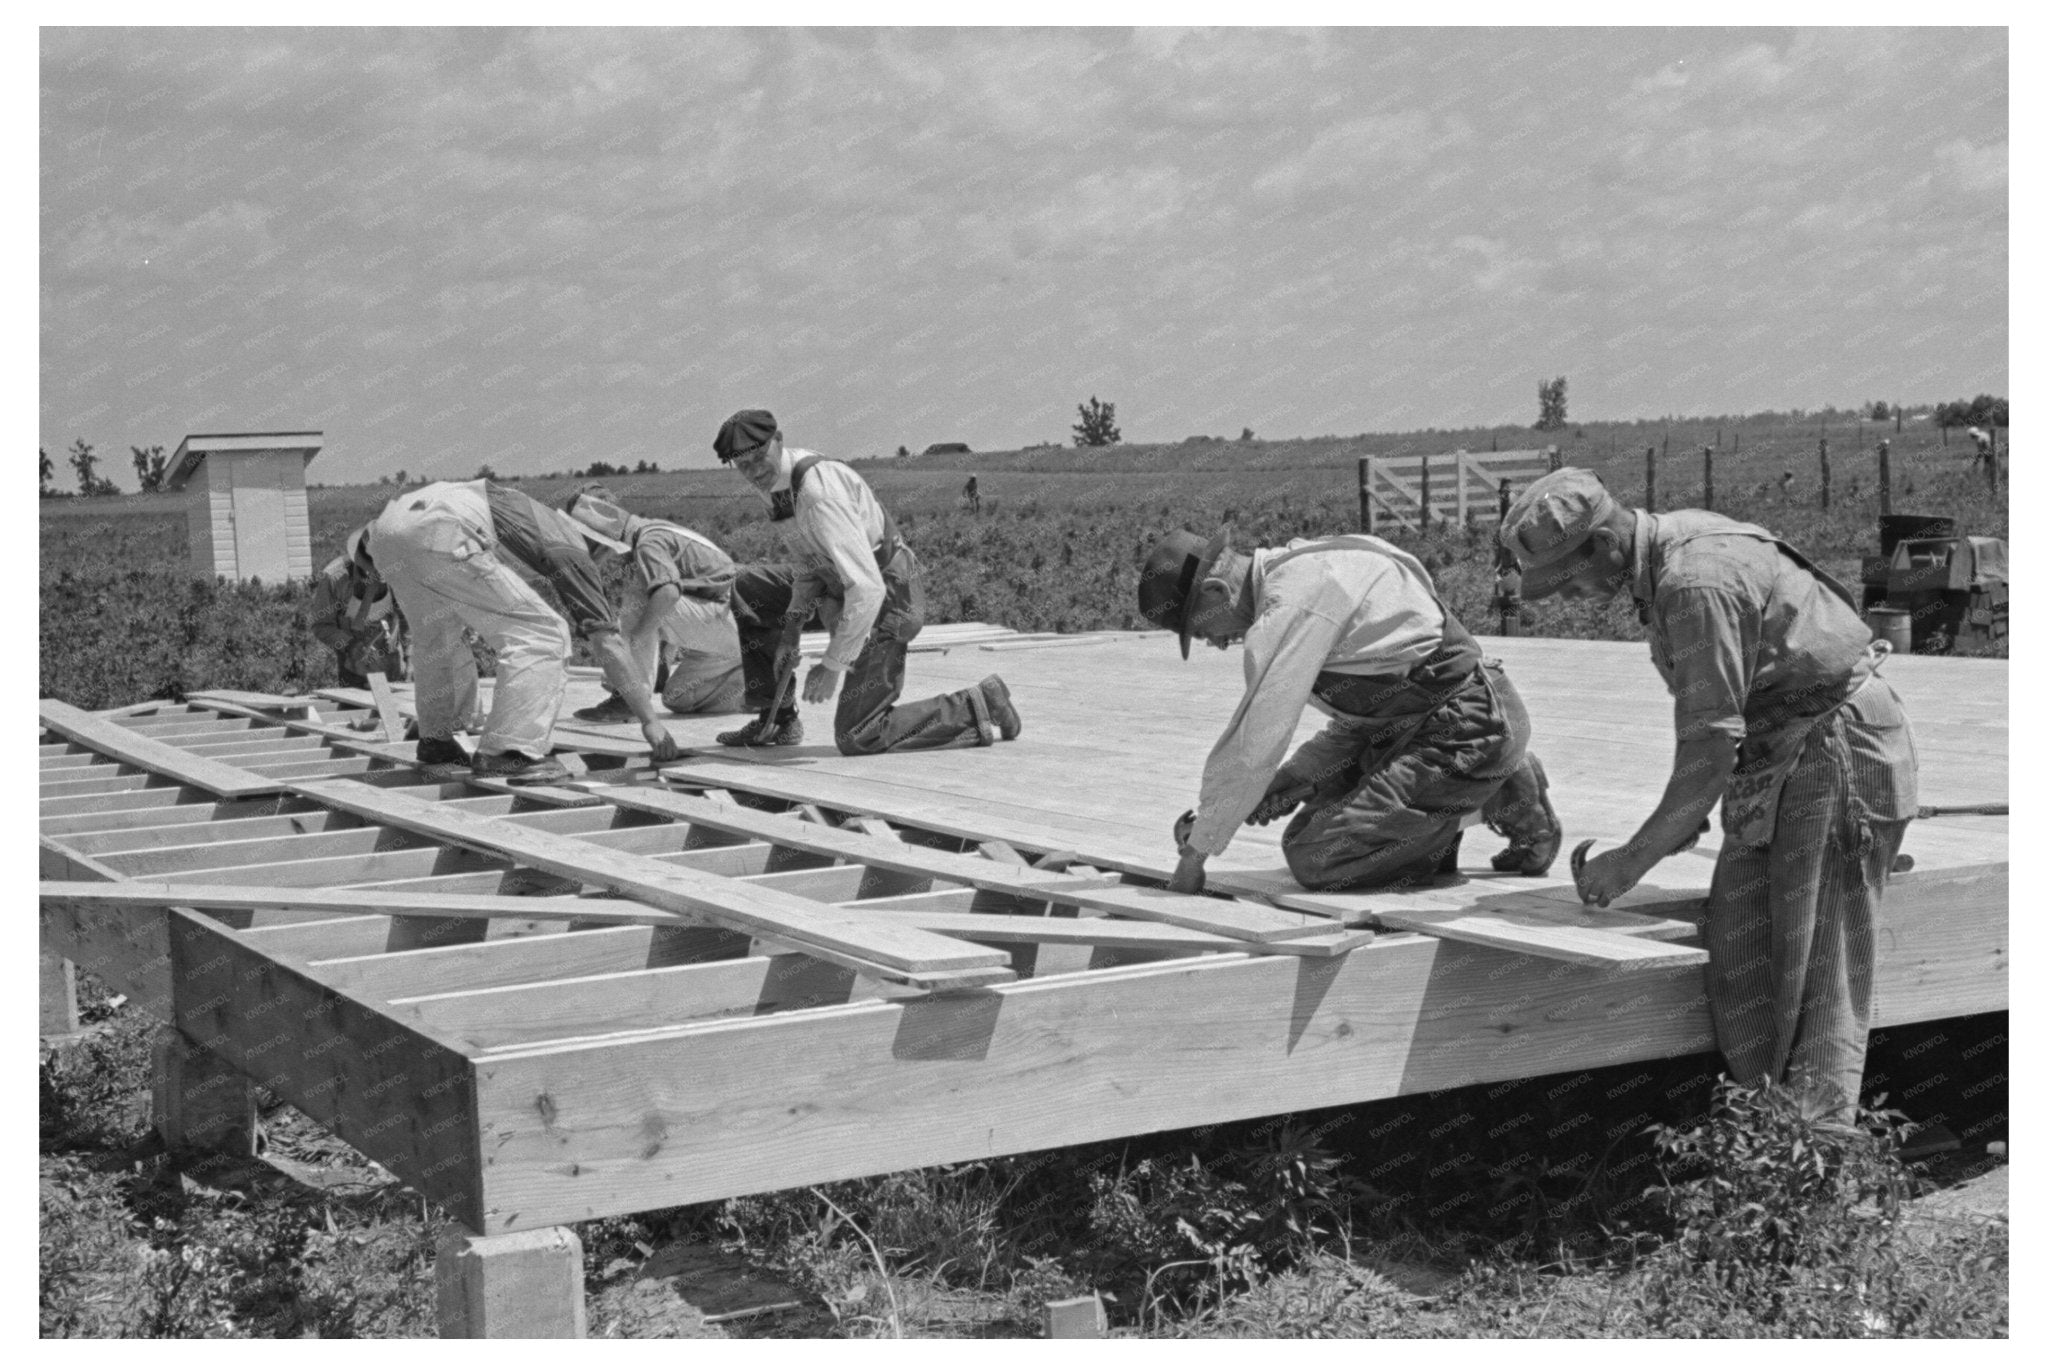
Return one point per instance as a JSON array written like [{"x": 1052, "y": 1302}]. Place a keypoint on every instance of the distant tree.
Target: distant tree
[
  {"x": 646, "y": 467},
  {"x": 1880, "y": 411},
  {"x": 1247, "y": 435},
  {"x": 151, "y": 467},
  {"x": 85, "y": 465},
  {"x": 484, "y": 471},
  {"x": 1097, "y": 426},
  {"x": 400, "y": 479},
  {"x": 902, "y": 452},
  {"x": 1550, "y": 405},
  {"x": 48, "y": 468},
  {"x": 599, "y": 469}
]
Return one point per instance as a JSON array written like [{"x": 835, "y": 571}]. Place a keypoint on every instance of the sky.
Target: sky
[{"x": 533, "y": 249}]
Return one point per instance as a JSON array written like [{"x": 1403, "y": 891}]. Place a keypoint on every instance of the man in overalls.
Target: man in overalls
[
  {"x": 855, "y": 570},
  {"x": 678, "y": 603},
  {"x": 1426, "y": 736},
  {"x": 352, "y": 613},
  {"x": 443, "y": 549},
  {"x": 1781, "y": 717}
]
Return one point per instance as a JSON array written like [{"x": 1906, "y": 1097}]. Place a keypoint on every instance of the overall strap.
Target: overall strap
[{"x": 784, "y": 507}]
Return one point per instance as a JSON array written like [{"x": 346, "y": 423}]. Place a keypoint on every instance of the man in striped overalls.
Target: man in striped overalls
[
  {"x": 1426, "y": 735},
  {"x": 1782, "y": 718}
]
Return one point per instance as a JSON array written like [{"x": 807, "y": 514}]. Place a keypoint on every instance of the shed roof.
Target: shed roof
[{"x": 199, "y": 445}]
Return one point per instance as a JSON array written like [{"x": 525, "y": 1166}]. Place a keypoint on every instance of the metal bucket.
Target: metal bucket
[{"x": 1894, "y": 624}]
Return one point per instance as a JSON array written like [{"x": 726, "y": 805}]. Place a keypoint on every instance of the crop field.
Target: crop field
[
  {"x": 1546, "y": 1207},
  {"x": 1055, "y": 545}
]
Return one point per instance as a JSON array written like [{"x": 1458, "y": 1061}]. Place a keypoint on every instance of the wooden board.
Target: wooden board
[
  {"x": 144, "y": 751},
  {"x": 75, "y": 896},
  {"x": 710, "y": 900}
]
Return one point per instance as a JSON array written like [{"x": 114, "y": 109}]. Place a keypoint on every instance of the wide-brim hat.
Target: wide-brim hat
[
  {"x": 1548, "y": 524},
  {"x": 1174, "y": 570}
]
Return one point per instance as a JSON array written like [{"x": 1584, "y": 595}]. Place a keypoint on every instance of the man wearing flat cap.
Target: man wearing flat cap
[
  {"x": 443, "y": 549},
  {"x": 1781, "y": 717},
  {"x": 1425, "y": 737},
  {"x": 855, "y": 570}
]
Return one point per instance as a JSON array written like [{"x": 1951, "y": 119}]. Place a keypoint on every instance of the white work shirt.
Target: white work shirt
[
  {"x": 1344, "y": 611},
  {"x": 834, "y": 535}
]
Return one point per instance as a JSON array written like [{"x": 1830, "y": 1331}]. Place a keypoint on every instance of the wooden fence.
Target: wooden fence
[{"x": 1460, "y": 487}]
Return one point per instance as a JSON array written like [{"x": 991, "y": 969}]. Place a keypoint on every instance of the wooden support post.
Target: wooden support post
[
  {"x": 1082, "y": 1317},
  {"x": 1365, "y": 494},
  {"x": 1884, "y": 477},
  {"x": 1824, "y": 473},
  {"x": 198, "y": 1102},
  {"x": 1707, "y": 476},
  {"x": 57, "y": 998},
  {"x": 1556, "y": 461},
  {"x": 1649, "y": 478},
  {"x": 518, "y": 1284},
  {"x": 1463, "y": 519},
  {"x": 1425, "y": 495}
]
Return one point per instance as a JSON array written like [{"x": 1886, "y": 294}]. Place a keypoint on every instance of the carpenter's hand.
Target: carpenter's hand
[
  {"x": 1183, "y": 825},
  {"x": 1609, "y": 877},
  {"x": 1280, "y": 799},
  {"x": 819, "y": 684},
  {"x": 657, "y": 737},
  {"x": 1188, "y": 878}
]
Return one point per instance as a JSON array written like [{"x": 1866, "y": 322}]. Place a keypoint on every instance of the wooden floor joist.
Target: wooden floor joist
[
  {"x": 151, "y": 753},
  {"x": 540, "y": 1013}
]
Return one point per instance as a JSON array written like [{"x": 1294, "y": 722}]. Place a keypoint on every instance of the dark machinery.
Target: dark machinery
[{"x": 1953, "y": 587}]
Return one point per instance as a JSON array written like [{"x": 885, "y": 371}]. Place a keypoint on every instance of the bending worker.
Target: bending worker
[
  {"x": 1426, "y": 736},
  {"x": 678, "y": 605},
  {"x": 855, "y": 569},
  {"x": 442, "y": 549},
  {"x": 352, "y": 614},
  {"x": 1780, "y": 716}
]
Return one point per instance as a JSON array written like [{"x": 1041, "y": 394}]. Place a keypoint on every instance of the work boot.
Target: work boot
[
  {"x": 1447, "y": 861},
  {"x": 518, "y": 769},
  {"x": 441, "y": 760},
  {"x": 1002, "y": 713},
  {"x": 1521, "y": 813},
  {"x": 789, "y": 730},
  {"x": 610, "y": 711}
]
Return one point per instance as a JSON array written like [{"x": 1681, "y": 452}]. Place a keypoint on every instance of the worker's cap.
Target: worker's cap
[
  {"x": 1174, "y": 566},
  {"x": 1547, "y": 524},
  {"x": 356, "y": 549},
  {"x": 746, "y": 430}
]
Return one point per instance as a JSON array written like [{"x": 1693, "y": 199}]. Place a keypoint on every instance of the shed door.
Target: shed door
[{"x": 259, "y": 521}]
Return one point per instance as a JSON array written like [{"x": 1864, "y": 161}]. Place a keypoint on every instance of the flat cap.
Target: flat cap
[
  {"x": 1552, "y": 518},
  {"x": 748, "y": 429}
]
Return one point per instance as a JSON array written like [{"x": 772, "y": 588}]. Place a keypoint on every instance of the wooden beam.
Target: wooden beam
[
  {"x": 1103, "y": 1054},
  {"x": 388, "y": 714},
  {"x": 140, "y": 895},
  {"x": 128, "y": 952},
  {"x": 903, "y": 954},
  {"x": 401, "y": 1098},
  {"x": 1251, "y": 923},
  {"x": 153, "y": 754}
]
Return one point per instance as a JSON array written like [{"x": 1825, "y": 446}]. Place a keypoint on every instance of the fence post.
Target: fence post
[
  {"x": 1707, "y": 470},
  {"x": 1884, "y": 478},
  {"x": 1550, "y": 453},
  {"x": 1425, "y": 494},
  {"x": 1649, "y": 478},
  {"x": 1364, "y": 493},
  {"x": 1460, "y": 468},
  {"x": 1824, "y": 473}
]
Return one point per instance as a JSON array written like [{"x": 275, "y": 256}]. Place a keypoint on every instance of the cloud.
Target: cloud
[
  {"x": 1963, "y": 166},
  {"x": 1343, "y": 157}
]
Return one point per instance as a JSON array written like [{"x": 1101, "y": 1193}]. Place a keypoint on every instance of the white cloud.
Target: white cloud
[{"x": 1964, "y": 166}]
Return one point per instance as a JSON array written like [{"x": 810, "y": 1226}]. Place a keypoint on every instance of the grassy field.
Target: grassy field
[
  {"x": 1055, "y": 545},
  {"x": 1545, "y": 1208}
]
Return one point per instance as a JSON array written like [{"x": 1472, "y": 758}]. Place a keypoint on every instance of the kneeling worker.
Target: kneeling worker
[
  {"x": 440, "y": 549},
  {"x": 678, "y": 602},
  {"x": 856, "y": 570},
  {"x": 1426, "y": 736},
  {"x": 1782, "y": 719}
]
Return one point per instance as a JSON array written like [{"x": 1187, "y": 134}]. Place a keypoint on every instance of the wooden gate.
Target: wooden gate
[{"x": 1460, "y": 487}]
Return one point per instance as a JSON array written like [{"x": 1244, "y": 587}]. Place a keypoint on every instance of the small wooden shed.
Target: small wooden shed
[{"x": 245, "y": 503}]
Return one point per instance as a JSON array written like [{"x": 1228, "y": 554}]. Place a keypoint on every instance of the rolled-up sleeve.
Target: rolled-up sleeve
[
  {"x": 837, "y": 530},
  {"x": 1712, "y": 641},
  {"x": 1283, "y": 653}
]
